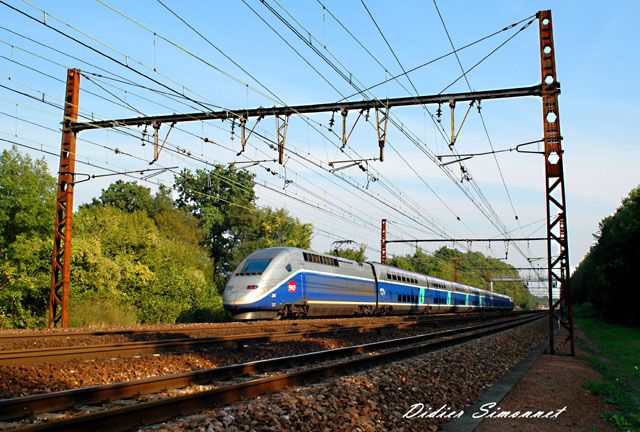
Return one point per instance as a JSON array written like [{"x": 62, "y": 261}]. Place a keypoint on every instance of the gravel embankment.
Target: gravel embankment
[
  {"x": 376, "y": 399},
  {"x": 42, "y": 378}
]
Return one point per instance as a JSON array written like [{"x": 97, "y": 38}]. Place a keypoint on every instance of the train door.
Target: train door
[{"x": 303, "y": 287}]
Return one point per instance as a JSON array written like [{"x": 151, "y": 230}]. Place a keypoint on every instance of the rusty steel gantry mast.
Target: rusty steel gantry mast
[
  {"x": 558, "y": 268},
  {"x": 561, "y": 309},
  {"x": 61, "y": 260}
]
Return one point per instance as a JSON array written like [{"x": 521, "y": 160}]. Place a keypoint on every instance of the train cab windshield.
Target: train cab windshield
[{"x": 254, "y": 267}]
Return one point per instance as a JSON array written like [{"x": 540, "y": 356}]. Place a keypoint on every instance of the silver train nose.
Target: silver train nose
[{"x": 232, "y": 294}]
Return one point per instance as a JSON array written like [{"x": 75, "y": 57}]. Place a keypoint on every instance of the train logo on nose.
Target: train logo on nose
[{"x": 291, "y": 286}]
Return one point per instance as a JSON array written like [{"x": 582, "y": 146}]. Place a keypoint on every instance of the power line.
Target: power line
[
  {"x": 127, "y": 17},
  {"x": 107, "y": 56},
  {"x": 484, "y": 125},
  {"x": 492, "y": 213},
  {"x": 489, "y": 207},
  {"x": 124, "y": 15},
  {"x": 258, "y": 184}
]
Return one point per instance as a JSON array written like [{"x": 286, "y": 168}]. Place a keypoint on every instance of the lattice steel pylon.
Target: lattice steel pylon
[
  {"x": 560, "y": 310},
  {"x": 61, "y": 260},
  {"x": 383, "y": 242}
]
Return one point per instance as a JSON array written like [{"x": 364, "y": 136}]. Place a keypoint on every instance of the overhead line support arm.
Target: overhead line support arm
[
  {"x": 377, "y": 104},
  {"x": 461, "y": 240}
]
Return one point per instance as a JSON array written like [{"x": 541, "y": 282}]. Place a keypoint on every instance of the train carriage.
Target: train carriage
[{"x": 292, "y": 282}]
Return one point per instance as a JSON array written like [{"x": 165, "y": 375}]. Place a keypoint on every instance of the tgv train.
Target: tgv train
[{"x": 285, "y": 282}]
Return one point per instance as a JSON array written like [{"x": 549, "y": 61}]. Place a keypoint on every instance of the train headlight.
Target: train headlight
[{"x": 252, "y": 287}]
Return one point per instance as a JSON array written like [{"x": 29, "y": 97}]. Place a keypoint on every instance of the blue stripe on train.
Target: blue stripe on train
[{"x": 316, "y": 285}]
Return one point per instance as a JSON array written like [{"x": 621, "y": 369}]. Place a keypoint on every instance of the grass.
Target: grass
[
  {"x": 101, "y": 313},
  {"x": 615, "y": 353}
]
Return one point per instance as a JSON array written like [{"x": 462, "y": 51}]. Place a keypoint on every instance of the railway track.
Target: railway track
[
  {"x": 181, "y": 332},
  {"x": 57, "y": 354},
  {"x": 357, "y": 357}
]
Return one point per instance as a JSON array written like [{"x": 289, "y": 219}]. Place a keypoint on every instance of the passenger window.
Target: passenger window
[{"x": 288, "y": 267}]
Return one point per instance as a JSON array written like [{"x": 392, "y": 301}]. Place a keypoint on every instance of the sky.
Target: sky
[{"x": 139, "y": 58}]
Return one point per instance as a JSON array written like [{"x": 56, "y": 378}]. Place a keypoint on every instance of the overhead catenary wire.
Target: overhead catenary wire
[
  {"x": 259, "y": 184},
  {"x": 137, "y": 23},
  {"x": 122, "y": 64},
  {"x": 349, "y": 78},
  {"x": 134, "y": 21},
  {"x": 491, "y": 213},
  {"x": 464, "y": 73},
  {"x": 484, "y": 125}
]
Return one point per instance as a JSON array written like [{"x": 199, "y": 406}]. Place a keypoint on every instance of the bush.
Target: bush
[{"x": 156, "y": 266}]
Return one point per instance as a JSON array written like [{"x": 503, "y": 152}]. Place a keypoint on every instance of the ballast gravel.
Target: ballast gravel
[
  {"x": 378, "y": 398},
  {"x": 22, "y": 380}
]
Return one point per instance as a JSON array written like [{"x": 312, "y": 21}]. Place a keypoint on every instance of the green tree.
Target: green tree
[
  {"x": 352, "y": 253},
  {"x": 131, "y": 197},
  {"x": 223, "y": 200},
  {"x": 126, "y": 196},
  {"x": 271, "y": 228},
  {"x": 27, "y": 197},
  {"x": 27, "y": 200}
]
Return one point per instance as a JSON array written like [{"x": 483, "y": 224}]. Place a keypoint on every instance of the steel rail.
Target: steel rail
[
  {"x": 233, "y": 325},
  {"x": 20, "y": 407},
  {"x": 164, "y": 409},
  {"x": 57, "y": 354}
]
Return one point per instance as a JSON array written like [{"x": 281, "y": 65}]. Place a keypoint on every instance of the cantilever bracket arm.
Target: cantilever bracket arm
[
  {"x": 382, "y": 120},
  {"x": 157, "y": 148},
  {"x": 244, "y": 136},
  {"x": 345, "y": 135},
  {"x": 282, "y": 123}
]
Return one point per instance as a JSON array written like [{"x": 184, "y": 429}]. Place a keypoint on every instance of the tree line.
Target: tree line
[
  {"x": 164, "y": 257},
  {"x": 606, "y": 276},
  {"x": 473, "y": 269},
  {"x": 138, "y": 257}
]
